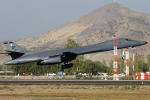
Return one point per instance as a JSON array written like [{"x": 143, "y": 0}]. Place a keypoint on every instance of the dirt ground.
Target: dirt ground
[{"x": 74, "y": 92}]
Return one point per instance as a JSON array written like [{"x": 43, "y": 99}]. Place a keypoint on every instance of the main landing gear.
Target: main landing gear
[{"x": 65, "y": 66}]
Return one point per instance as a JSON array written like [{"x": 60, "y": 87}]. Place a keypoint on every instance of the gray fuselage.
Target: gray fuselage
[{"x": 57, "y": 54}]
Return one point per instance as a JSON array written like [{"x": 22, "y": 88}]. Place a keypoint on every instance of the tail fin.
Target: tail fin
[{"x": 14, "y": 50}]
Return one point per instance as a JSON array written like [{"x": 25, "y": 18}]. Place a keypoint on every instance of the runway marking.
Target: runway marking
[{"x": 73, "y": 82}]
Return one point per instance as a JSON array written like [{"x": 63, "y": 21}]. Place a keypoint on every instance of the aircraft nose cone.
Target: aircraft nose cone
[
  {"x": 143, "y": 42},
  {"x": 138, "y": 43}
]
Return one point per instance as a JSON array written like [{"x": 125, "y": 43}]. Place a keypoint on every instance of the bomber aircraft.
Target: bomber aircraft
[{"x": 20, "y": 55}]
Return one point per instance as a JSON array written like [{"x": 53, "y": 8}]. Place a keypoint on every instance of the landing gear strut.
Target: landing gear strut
[{"x": 65, "y": 66}]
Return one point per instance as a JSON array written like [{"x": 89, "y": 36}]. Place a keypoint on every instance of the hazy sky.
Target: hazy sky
[{"x": 20, "y": 19}]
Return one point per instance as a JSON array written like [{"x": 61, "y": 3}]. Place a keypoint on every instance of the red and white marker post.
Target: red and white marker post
[
  {"x": 115, "y": 65},
  {"x": 127, "y": 62}
]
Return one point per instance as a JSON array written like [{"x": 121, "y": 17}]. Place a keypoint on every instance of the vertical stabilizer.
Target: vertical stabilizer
[{"x": 14, "y": 50}]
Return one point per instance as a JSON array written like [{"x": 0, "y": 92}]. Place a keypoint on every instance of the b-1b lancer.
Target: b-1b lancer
[{"x": 20, "y": 55}]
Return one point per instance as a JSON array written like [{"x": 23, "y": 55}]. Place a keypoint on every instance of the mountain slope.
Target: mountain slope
[{"x": 97, "y": 26}]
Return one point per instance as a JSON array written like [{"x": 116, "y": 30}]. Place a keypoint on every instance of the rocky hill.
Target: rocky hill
[{"x": 97, "y": 26}]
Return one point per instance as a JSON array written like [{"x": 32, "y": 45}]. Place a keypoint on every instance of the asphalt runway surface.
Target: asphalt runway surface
[{"x": 74, "y": 82}]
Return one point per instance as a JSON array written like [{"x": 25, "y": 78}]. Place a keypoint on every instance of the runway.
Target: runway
[{"x": 74, "y": 82}]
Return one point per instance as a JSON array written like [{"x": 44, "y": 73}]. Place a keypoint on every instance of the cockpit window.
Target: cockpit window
[{"x": 128, "y": 39}]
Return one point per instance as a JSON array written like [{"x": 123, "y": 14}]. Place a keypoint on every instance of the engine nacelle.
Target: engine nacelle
[
  {"x": 52, "y": 60},
  {"x": 66, "y": 57}
]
